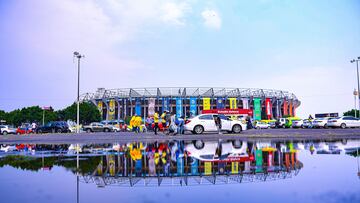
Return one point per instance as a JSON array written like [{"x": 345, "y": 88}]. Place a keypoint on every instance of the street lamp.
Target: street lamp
[
  {"x": 355, "y": 94},
  {"x": 78, "y": 56},
  {"x": 357, "y": 72}
]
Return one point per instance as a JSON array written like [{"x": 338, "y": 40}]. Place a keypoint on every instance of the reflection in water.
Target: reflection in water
[{"x": 173, "y": 163}]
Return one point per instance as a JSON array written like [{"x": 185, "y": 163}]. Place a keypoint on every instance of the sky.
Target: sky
[{"x": 303, "y": 47}]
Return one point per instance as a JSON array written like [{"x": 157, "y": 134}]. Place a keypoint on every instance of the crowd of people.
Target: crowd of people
[{"x": 168, "y": 123}]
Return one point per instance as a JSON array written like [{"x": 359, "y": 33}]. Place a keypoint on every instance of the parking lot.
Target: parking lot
[{"x": 100, "y": 137}]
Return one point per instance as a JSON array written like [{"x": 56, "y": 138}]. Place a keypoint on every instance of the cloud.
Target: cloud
[
  {"x": 211, "y": 19},
  {"x": 174, "y": 13}
]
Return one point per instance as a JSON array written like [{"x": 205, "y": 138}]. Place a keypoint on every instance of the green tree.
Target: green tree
[
  {"x": 352, "y": 113},
  {"x": 88, "y": 113}
]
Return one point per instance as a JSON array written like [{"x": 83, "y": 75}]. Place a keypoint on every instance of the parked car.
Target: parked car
[
  {"x": 272, "y": 124},
  {"x": 298, "y": 123},
  {"x": 98, "y": 127},
  {"x": 54, "y": 127},
  {"x": 261, "y": 125},
  {"x": 116, "y": 124},
  {"x": 7, "y": 129},
  {"x": 206, "y": 123},
  {"x": 321, "y": 122},
  {"x": 23, "y": 130},
  {"x": 344, "y": 122}
]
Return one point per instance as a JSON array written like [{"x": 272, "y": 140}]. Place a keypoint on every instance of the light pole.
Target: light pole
[
  {"x": 357, "y": 73},
  {"x": 355, "y": 94},
  {"x": 78, "y": 56}
]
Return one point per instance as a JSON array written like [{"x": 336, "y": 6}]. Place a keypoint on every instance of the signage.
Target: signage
[
  {"x": 138, "y": 106},
  {"x": 245, "y": 103},
  {"x": 100, "y": 107},
  {"x": 268, "y": 107},
  {"x": 165, "y": 104},
  {"x": 193, "y": 109},
  {"x": 229, "y": 111},
  {"x": 220, "y": 103},
  {"x": 206, "y": 103},
  {"x": 151, "y": 109},
  {"x": 234, "y": 167},
  {"x": 111, "y": 110},
  {"x": 179, "y": 107},
  {"x": 233, "y": 104},
  {"x": 257, "y": 109}
]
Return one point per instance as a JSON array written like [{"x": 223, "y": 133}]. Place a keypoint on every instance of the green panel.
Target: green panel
[{"x": 257, "y": 109}]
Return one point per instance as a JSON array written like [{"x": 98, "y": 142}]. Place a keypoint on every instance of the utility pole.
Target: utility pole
[{"x": 357, "y": 73}]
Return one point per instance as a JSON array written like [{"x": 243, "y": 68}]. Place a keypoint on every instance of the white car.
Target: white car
[
  {"x": 6, "y": 129},
  {"x": 214, "y": 151},
  {"x": 321, "y": 122},
  {"x": 206, "y": 123},
  {"x": 298, "y": 123},
  {"x": 261, "y": 125},
  {"x": 344, "y": 122}
]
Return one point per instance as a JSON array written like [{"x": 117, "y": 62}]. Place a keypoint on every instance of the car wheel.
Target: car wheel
[
  {"x": 88, "y": 130},
  {"x": 18, "y": 133},
  {"x": 58, "y": 131},
  {"x": 237, "y": 144},
  {"x": 236, "y": 128},
  {"x": 5, "y": 133},
  {"x": 198, "y": 129},
  {"x": 106, "y": 130},
  {"x": 258, "y": 128},
  {"x": 325, "y": 126},
  {"x": 39, "y": 131},
  {"x": 343, "y": 126},
  {"x": 199, "y": 144},
  {"x": 302, "y": 126},
  {"x": 53, "y": 130}
]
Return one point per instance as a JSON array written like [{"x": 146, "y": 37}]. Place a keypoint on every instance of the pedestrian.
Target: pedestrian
[
  {"x": 132, "y": 123},
  {"x": 138, "y": 122},
  {"x": 33, "y": 127},
  {"x": 217, "y": 120},
  {"x": 172, "y": 124},
  {"x": 163, "y": 120},
  {"x": 156, "y": 122}
]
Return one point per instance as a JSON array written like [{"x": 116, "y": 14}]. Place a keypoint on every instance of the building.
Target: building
[{"x": 186, "y": 101}]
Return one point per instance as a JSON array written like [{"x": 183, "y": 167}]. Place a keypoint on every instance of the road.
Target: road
[{"x": 268, "y": 134}]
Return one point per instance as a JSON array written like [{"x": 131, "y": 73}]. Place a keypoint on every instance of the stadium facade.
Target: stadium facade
[{"x": 187, "y": 101}]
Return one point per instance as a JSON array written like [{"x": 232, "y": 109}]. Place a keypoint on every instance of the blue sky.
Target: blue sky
[{"x": 300, "y": 46}]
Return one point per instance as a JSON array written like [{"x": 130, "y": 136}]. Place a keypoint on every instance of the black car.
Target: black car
[{"x": 54, "y": 127}]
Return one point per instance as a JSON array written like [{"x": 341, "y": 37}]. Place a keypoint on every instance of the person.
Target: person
[
  {"x": 149, "y": 123},
  {"x": 172, "y": 124},
  {"x": 33, "y": 127},
  {"x": 132, "y": 123},
  {"x": 138, "y": 122},
  {"x": 156, "y": 122},
  {"x": 217, "y": 120},
  {"x": 180, "y": 123},
  {"x": 163, "y": 120}
]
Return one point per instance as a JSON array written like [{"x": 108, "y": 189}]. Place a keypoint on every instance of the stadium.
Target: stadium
[{"x": 189, "y": 101}]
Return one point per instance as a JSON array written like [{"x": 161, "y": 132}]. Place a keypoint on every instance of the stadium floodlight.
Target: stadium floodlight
[{"x": 78, "y": 56}]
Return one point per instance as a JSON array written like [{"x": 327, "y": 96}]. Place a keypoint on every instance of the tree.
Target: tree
[
  {"x": 29, "y": 115},
  {"x": 352, "y": 113},
  {"x": 88, "y": 113}
]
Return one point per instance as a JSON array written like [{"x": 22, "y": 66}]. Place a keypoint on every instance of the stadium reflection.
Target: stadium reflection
[{"x": 173, "y": 163}]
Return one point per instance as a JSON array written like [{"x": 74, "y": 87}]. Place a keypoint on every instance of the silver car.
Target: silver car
[{"x": 6, "y": 129}]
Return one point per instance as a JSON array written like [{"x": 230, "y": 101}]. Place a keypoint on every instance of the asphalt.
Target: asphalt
[{"x": 120, "y": 137}]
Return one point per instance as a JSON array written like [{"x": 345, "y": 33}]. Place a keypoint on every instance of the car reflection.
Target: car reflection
[{"x": 173, "y": 163}]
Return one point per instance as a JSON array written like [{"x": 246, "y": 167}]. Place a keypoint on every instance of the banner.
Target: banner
[
  {"x": 111, "y": 110},
  {"x": 290, "y": 108},
  {"x": 151, "y": 109},
  {"x": 245, "y": 103},
  {"x": 278, "y": 109},
  {"x": 268, "y": 107},
  {"x": 257, "y": 109},
  {"x": 233, "y": 104},
  {"x": 165, "y": 104},
  {"x": 193, "y": 107},
  {"x": 179, "y": 107},
  {"x": 220, "y": 104},
  {"x": 100, "y": 108},
  {"x": 285, "y": 108},
  {"x": 206, "y": 103},
  {"x": 138, "y": 106},
  {"x": 194, "y": 166},
  {"x": 125, "y": 107}
]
